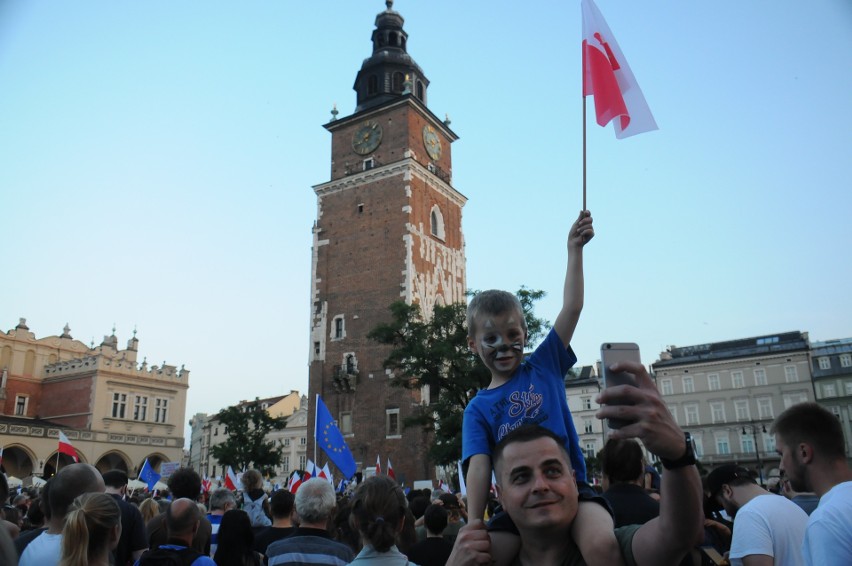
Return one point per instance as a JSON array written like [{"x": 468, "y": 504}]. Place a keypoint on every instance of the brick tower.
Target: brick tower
[{"x": 388, "y": 228}]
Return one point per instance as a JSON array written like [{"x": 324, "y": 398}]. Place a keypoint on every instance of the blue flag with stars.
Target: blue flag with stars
[
  {"x": 148, "y": 475},
  {"x": 331, "y": 441}
]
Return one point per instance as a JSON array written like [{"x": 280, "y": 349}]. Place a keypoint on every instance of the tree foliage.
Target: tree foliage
[
  {"x": 434, "y": 352},
  {"x": 248, "y": 426}
]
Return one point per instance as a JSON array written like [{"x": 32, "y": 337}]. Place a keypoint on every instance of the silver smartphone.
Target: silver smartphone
[{"x": 612, "y": 353}]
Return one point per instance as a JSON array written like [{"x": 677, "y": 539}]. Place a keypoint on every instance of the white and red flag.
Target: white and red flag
[
  {"x": 444, "y": 486},
  {"x": 310, "y": 470},
  {"x": 206, "y": 484},
  {"x": 378, "y": 466},
  {"x": 295, "y": 482},
  {"x": 231, "y": 479},
  {"x": 326, "y": 473},
  {"x": 607, "y": 77},
  {"x": 391, "y": 475},
  {"x": 65, "y": 446}
]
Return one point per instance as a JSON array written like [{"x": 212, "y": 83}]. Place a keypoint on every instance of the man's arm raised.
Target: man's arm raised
[{"x": 679, "y": 527}]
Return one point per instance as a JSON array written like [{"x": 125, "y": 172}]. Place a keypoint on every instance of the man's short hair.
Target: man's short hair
[
  {"x": 315, "y": 500},
  {"x": 728, "y": 474},
  {"x": 528, "y": 433},
  {"x": 435, "y": 518},
  {"x": 182, "y": 522},
  {"x": 115, "y": 479},
  {"x": 622, "y": 460},
  {"x": 71, "y": 481},
  {"x": 281, "y": 504},
  {"x": 492, "y": 302},
  {"x": 185, "y": 482},
  {"x": 220, "y": 497},
  {"x": 812, "y": 424}
]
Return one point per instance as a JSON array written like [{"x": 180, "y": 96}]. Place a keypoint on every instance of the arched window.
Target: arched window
[
  {"x": 419, "y": 91},
  {"x": 398, "y": 80},
  {"x": 436, "y": 221},
  {"x": 372, "y": 84}
]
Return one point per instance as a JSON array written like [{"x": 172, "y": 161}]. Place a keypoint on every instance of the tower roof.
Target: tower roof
[{"x": 390, "y": 72}]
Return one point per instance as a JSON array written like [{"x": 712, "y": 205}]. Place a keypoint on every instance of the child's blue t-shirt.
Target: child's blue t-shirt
[{"x": 535, "y": 394}]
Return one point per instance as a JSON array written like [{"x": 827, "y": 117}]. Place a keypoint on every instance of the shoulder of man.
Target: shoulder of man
[{"x": 168, "y": 555}]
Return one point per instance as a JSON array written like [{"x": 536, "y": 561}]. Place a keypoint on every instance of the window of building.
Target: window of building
[
  {"x": 699, "y": 446},
  {"x": 345, "y": 423},
  {"x": 285, "y": 463},
  {"x": 316, "y": 348},
  {"x": 741, "y": 408},
  {"x": 723, "y": 445},
  {"x": 759, "y": 376},
  {"x": 824, "y": 362},
  {"x": 302, "y": 462},
  {"x": 21, "y": 402},
  {"x": 848, "y": 387},
  {"x": 747, "y": 443},
  {"x": 214, "y": 471},
  {"x": 398, "y": 81},
  {"x": 828, "y": 390},
  {"x": 791, "y": 399},
  {"x": 589, "y": 449},
  {"x": 791, "y": 374},
  {"x": 338, "y": 329},
  {"x": 769, "y": 443},
  {"x": 587, "y": 425},
  {"x": 688, "y": 385},
  {"x": 392, "y": 429},
  {"x": 369, "y": 163},
  {"x": 161, "y": 410},
  {"x": 713, "y": 382},
  {"x": 717, "y": 411},
  {"x": 119, "y": 405},
  {"x": 436, "y": 222},
  {"x": 845, "y": 360},
  {"x": 286, "y": 442},
  {"x": 303, "y": 441},
  {"x": 691, "y": 412},
  {"x": 587, "y": 403},
  {"x": 737, "y": 381},
  {"x": 666, "y": 386},
  {"x": 372, "y": 84},
  {"x": 673, "y": 410},
  {"x": 140, "y": 408},
  {"x": 764, "y": 408},
  {"x": 420, "y": 92}
]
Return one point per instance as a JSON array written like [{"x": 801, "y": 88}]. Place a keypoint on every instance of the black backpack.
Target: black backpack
[{"x": 169, "y": 557}]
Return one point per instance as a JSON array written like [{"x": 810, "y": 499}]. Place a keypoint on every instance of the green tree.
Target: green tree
[
  {"x": 434, "y": 352},
  {"x": 248, "y": 426}
]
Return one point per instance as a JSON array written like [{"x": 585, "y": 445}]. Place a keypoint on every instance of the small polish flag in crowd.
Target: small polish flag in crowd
[
  {"x": 65, "y": 446},
  {"x": 326, "y": 473},
  {"x": 295, "y": 482},
  {"x": 231, "y": 479},
  {"x": 206, "y": 484},
  {"x": 310, "y": 471},
  {"x": 378, "y": 466},
  {"x": 391, "y": 475},
  {"x": 444, "y": 486}
]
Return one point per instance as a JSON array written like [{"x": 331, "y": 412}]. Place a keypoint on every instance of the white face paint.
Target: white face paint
[{"x": 500, "y": 334}]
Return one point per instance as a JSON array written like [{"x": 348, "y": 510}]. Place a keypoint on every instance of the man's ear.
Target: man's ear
[{"x": 806, "y": 453}]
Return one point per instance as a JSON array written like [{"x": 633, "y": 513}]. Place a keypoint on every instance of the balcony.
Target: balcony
[{"x": 344, "y": 378}]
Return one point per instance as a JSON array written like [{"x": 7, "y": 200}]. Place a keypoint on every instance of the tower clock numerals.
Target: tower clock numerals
[
  {"x": 432, "y": 142},
  {"x": 367, "y": 137}
]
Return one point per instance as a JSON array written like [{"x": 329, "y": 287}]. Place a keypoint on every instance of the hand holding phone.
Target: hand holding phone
[{"x": 612, "y": 353}]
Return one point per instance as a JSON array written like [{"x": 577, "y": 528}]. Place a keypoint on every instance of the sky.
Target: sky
[{"x": 157, "y": 161}]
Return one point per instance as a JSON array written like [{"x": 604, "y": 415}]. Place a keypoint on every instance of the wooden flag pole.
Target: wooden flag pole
[{"x": 584, "y": 152}]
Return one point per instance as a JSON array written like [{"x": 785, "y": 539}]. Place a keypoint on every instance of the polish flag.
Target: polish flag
[
  {"x": 206, "y": 484},
  {"x": 310, "y": 471},
  {"x": 326, "y": 472},
  {"x": 607, "y": 77},
  {"x": 65, "y": 446},
  {"x": 391, "y": 475},
  {"x": 295, "y": 482},
  {"x": 444, "y": 486},
  {"x": 378, "y": 466},
  {"x": 231, "y": 479}
]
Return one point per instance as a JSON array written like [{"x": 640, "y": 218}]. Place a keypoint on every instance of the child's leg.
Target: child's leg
[
  {"x": 505, "y": 546},
  {"x": 592, "y": 530}
]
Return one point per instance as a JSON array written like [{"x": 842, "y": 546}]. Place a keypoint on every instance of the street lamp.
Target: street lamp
[{"x": 753, "y": 428}]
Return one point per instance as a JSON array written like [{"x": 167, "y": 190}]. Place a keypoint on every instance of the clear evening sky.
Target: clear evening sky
[{"x": 157, "y": 159}]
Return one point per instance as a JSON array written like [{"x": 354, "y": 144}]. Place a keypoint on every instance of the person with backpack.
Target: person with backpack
[
  {"x": 255, "y": 501},
  {"x": 183, "y": 518}
]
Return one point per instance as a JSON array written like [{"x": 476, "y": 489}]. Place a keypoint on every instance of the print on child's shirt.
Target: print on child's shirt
[{"x": 527, "y": 405}]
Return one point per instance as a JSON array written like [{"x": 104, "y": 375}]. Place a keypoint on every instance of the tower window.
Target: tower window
[
  {"x": 372, "y": 84},
  {"x": 338, "y": 330},
  {"x": 360, "y": 208},
  {"x": 419, "y": 90},
  {"x": 316, "y": 348},
  {"x": 397, "y": 82},
  {"x": 392, "y": 423},
  {"x": 436, "y": 221},
  {"x": 369, "y": 164}
]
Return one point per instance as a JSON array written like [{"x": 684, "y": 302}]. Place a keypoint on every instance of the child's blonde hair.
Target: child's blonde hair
[{"x": 492, "y": 302}]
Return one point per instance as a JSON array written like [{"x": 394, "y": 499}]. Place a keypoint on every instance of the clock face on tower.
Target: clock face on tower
[
  {"x": 367, "y": 137},
  {"x": 432, "y": 142}
]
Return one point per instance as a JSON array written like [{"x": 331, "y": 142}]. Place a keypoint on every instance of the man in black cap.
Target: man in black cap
[{"x": 768, "y": 528}]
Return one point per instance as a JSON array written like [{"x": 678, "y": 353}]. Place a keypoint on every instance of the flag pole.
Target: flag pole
[
  {"x": 584, "y": 152},
  {"x": 316, "y": 414}
]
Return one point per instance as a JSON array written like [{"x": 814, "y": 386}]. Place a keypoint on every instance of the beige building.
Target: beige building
[
  {"x": 208, "y": 432},
  {"x": 728, "y": 393},
  {"x": 115, "y": 411}
]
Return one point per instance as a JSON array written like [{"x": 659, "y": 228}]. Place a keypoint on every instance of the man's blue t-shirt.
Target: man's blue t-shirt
[{"x": 535, "y": 394}]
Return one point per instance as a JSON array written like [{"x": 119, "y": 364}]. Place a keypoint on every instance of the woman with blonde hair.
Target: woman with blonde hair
[
  {"x": 378, "y": 512},
  {"x": 92, "y": 529},
  {"x": 149, "y": 509}
]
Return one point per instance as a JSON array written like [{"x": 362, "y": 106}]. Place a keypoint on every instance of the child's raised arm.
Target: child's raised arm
[{"x": 572, "y": 295}]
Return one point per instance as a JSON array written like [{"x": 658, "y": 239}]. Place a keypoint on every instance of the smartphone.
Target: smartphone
[{"x": 611, "y": 353}]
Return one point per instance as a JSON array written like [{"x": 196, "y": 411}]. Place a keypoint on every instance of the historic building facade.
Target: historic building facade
[
  {"x": 208, "y": 431},
  {"x": 831, "y": 365},
  {"x": 388, "y": 228},
  {"x": 728, "y": 393},
  {"x": 115, "y": 411}
]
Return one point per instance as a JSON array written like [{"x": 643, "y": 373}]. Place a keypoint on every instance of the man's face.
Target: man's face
[
  {"x": 499, "y": 341},
  {"x": 791, "y": 466},
  {"x": 725, "y": 499},
  {"x": 536, "y": 485}
]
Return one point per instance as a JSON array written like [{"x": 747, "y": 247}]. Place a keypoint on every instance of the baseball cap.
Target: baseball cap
[{"x": 725, "y": 475}]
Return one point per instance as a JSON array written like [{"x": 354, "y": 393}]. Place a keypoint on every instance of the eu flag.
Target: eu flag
[
  {"x": 331, "y": 441},
  {"x": 148, "y": 475}
]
